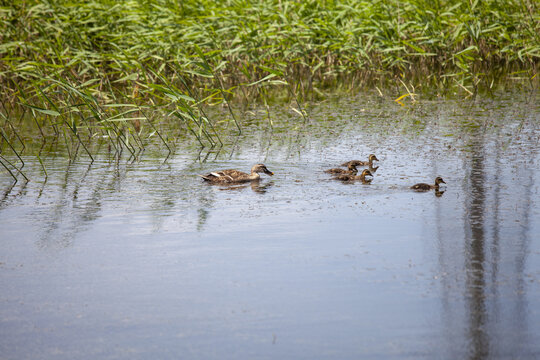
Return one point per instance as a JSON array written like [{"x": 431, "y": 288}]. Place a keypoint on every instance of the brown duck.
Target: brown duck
[
  {"x": 369, "y": 163},
  {"x": 352, "y": 170},
  {"x": 232, "y": 176},
  {"x": 427, "y": 187},
  {"x": 361, "y": 177}
]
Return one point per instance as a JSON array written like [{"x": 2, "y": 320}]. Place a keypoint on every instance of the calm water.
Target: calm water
[{"x": 119, "y": 260}]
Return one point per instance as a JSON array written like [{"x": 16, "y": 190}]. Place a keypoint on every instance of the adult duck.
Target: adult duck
[{"x": 232, "y": 176}]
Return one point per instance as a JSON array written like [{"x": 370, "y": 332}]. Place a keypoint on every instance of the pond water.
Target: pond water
[{"x": 138, "y": 260}]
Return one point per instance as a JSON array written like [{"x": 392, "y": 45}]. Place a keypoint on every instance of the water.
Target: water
[{"x": 138, "y": 260}]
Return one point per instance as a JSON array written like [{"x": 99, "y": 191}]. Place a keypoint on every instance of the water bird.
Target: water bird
[
  {"x": 369, "y": 163},
  {"x": 361, "y": 177},
  {"x": 232, "y": 176},
  {"x": 427, "y": 187},
  {"x": 352, "y": 170}
]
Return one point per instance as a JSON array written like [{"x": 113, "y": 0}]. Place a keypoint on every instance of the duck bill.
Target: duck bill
[{"x": 268, "y": 172}]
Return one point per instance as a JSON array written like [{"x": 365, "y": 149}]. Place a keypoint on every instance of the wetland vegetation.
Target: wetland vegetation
[{"x": 125, "y": 71}]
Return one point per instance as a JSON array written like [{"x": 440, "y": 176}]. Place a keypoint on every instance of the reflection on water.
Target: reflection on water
[
  {"x": 255, "y": 186},
  {"x": 475, "y": 260},
  {"x": 498, "y": 208},
  {"x": 439, "y": 192},
  {"x": 144, "y": 259}
]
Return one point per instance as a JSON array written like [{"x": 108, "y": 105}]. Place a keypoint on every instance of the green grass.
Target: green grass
[{"x": 104, "y": 68}]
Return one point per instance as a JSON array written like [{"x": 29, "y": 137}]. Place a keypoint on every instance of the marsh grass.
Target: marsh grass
[{"x": 118, "y": 70}]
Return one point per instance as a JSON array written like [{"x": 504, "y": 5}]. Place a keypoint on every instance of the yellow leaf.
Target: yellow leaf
[{"x": 402, "y": 97}]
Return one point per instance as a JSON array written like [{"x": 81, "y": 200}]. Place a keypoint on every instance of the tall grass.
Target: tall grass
[{"x": 83, "y": 69}]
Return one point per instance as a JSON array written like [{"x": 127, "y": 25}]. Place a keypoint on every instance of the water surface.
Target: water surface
[{"x": 139, "y": 260}]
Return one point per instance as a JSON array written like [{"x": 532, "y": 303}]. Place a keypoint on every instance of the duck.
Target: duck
[
  {"x": 352, "y": 170},
  {"x": 361, "y": 177},
  {"x": 427, "y": 187},
  {"x": 369, "y": 163},
  {"x": 232, "y": 176}
]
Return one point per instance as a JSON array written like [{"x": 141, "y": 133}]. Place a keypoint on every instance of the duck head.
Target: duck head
[
  {"x": 365, "y": 173},
  {"x": 439, "y": 180},
  {"x": 372, "y": 157},
  {"x": 261, "y": 168}
]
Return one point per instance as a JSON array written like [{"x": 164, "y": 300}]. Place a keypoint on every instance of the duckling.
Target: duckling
[
  {"x": 352, "y": 170},
  {"x": 427, "y": 187},
  {"x": 232, "y": 176},
  {"x": 369, "y": 163},
  {"x": 361, "y": 177}
]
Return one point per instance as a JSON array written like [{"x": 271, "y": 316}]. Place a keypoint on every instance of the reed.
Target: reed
[{"x": 111, "y": 69}]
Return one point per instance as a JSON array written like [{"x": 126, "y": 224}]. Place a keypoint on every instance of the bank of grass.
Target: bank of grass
[{"x": 105, "y": 67}]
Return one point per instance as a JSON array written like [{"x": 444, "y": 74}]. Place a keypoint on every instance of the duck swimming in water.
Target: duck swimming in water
[
  {"x": 427, "y": 187},
  {"x": 361, "y": 177},
  {"x": 232, "y": 176},
  {"x": 352, "y": 170},
  {"x": 369, "y": 163}
]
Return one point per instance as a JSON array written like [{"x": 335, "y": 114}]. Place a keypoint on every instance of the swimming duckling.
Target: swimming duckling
[
  {"x": 232, "y": 176},
  {"x": 427, "y": 187},
  {"x": 361, "y": 177},
  {"x": 369, "y": 163},
  {"x": 352, "y": 170}
]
